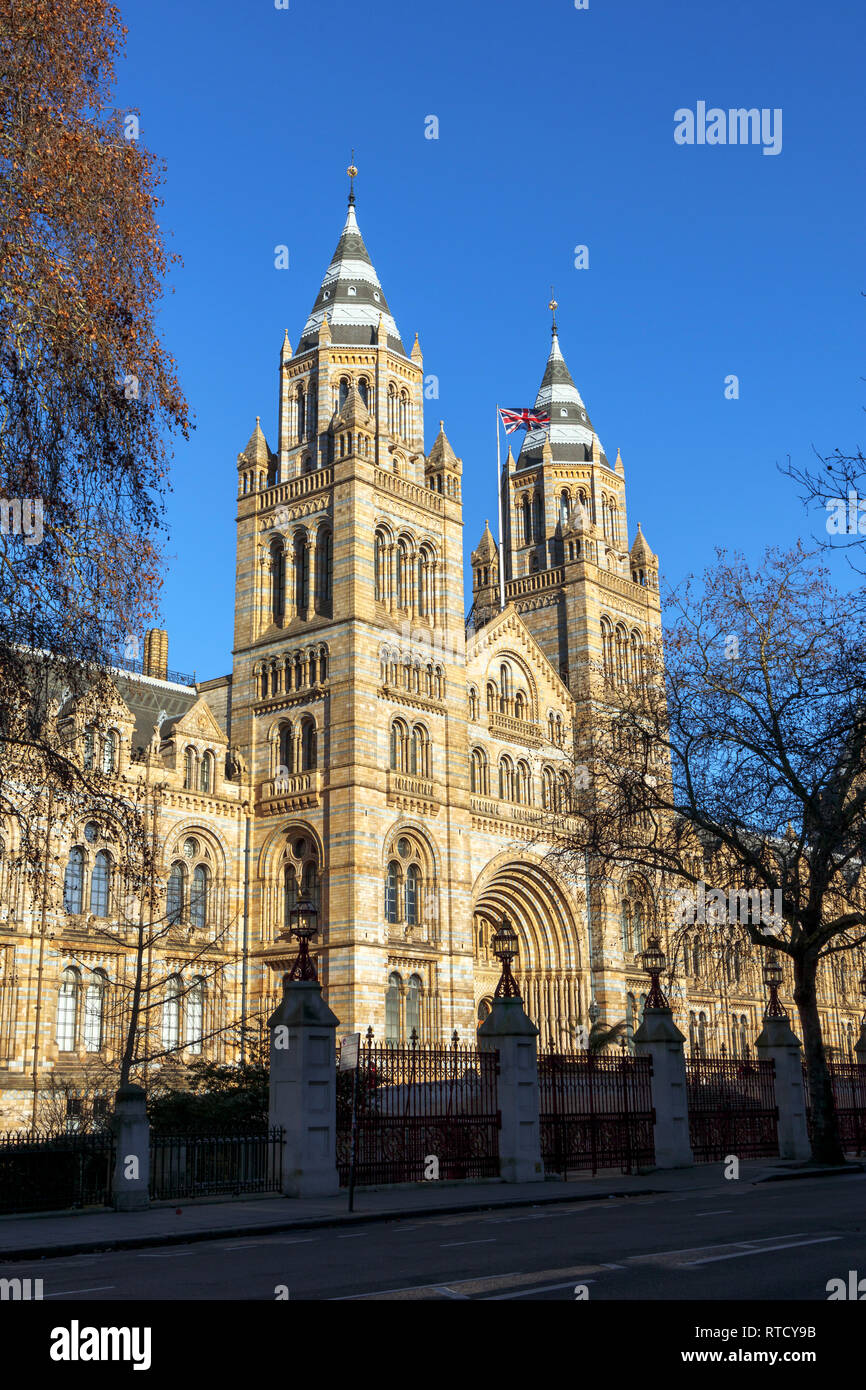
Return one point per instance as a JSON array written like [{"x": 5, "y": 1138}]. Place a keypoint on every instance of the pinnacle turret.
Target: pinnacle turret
[{"x": 352, "y": 296}]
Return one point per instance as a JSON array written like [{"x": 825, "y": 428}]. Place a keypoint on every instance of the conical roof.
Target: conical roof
[
  {"x": 640, "y": 550},
  {"x": 257, "y": 450},
  {"x": 352, "y": 413},
  {"x": 351, "y": 296},
  {"x": 487, "y": 548},
  {"x": 570, "y": 431},
  {"x": 442, "y": 455}
]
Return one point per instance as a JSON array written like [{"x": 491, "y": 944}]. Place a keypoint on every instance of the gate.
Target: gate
[
  {"x": 418, "y": 1103},
  {"x": 732, "y": 1108},
  {"x": 47, "y": 1172},
  {"x": 848, "y": 1080},
  {"x": 595, "y": 1112}
]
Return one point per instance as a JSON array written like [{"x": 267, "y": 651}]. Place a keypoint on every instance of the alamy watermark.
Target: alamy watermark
[
  {"x": 846, "y": 516},
  {"x": 22, "y": 516},
  {"x": 714, "y": 908},
  {"x": 737, "y": 126}
]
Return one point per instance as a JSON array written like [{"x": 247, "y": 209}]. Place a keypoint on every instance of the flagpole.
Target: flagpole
[{"x": 499, "y": 496}]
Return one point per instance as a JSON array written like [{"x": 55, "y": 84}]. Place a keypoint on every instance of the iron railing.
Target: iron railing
[
  {"x": 595, "y": 1112},
  {"x": 203, "y": 1165},
  {"x": 422, "y": 1112},
  {"x": 732, "y": 1108},
  {"x": 53, "y": 1171},
  {"x": 848, "y": 1083}
]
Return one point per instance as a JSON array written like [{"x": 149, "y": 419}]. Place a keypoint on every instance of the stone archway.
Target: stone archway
[{"x": 550, "y": 967}]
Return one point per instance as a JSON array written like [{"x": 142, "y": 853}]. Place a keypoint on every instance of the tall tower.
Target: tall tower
[
  {"x": 349, "y": 671},
  {"x": 568, "y": 569}
]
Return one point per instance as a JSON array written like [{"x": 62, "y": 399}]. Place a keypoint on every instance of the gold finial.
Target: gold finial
[
  {"x": 353, "y": 174},
  {"x": 553, "y": 306}
]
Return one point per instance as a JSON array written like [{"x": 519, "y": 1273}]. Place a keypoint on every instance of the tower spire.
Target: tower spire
[
  {"x": 553, "y": 306},
  {"x": 353, "y": 174}
]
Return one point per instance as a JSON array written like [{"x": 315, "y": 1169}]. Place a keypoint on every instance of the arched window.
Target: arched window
[
  {"x": 290, "y": 894},
  {"x": 392, "y": 1008},
  {"x": 308, "y": 745},
  {"x": 478, "y": 773},
  {"x": 523, "y": 784},
  {"x": 506, "y": 780},
  {"x": 473, "y": 703},
  {"x": 548, "y": 796},
  {"x": 527, "y": 521},
  {"x": 324, "y": 568},
  {"x": 94, "y": 1010},
  {"x": 563, "y": 508},
  {"x": 174, "y": 896},
  {"x": 198, "y": 898},
  {"x": 538, "y": 517},
  {"x": 625, "y": 926},
  {"x": 505, "y": 688},
  {"x": 343, "y": 393},
  {"x": 702, "y": 1033},
  {"x": 89, "y": 745},
  {"x": 379, "y": 566},
  {"x": 73, "y": 881},
  {"x": 638, "y": 927},
  {"x": 413, "y": 896},
  {"x": 171, "y": 1013},
  {"x": 621, "y": 656},
  {"x": 67, "y": 1009},
  {"x": 302, "y": 574},
  {"x": 392, "y": 892},
  {"x": 189, "y": 769},
  {"x": 206, "y": 773},
  {"x": 278, "y": 580},
  {"x": 99, "y": 884},
  {"x": 413, "y": 1006},
  {"x": 607, "y": 648},
  {"x": 109, "y": 752},
  {"x": 402, "y": 575},
  {"x": 194, "y": 1030},
  {"x": 636, "y": 659},
  {"x": 696, "y": 961}
]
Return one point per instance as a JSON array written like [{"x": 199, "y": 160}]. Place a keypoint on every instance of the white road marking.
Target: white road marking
[
  {"x": 723, "y": 1211},
  {"x": 450, "y": 1245},
  {"x": 354, "y": 1235},
  {"x": 528, "y": 1293},
  {"x": 166, "y": 1254},
  {"x": 67, "y": 1293},
  {"x": 760, "y": 1250}
]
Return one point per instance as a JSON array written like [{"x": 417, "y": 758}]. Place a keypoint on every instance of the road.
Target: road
[{"x": 771, "y": 1241}]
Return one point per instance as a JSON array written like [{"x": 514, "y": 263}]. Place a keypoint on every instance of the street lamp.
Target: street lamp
[
  {"x": 504, "y": 946},
  {"x": 773, "y": 976},
  {"x": 303, "y": 923},
  {"x": 654, "y": 962}
]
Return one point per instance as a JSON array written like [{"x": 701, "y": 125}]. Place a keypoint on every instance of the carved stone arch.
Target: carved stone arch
[
  {"x": 412, "y": 829},
  {"x": 172, "y": 847},
  {"x": 509, "y": 654},
  {"x": 524, "y": 887}
]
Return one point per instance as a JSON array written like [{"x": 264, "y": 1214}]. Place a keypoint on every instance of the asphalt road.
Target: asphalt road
[{"x": 772, "y": 1241}]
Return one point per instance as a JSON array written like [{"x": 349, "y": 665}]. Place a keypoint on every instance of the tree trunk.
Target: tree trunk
[{"x": 826, "y": 1144}]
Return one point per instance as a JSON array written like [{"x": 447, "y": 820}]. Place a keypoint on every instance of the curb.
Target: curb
[
  {"x": 310, "y": 1223},
  {"x": 842, "y": 1170}
]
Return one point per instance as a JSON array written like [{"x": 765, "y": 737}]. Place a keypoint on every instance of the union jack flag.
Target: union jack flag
[{"x": 522, "y": 419}]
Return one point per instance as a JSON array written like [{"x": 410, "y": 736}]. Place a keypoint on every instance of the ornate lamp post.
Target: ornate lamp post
[
  {"x": 773, "y": 976},
  {"x": 504, "y": 946},
  {"x": 303, "y": 923},
  {"x": 654, "y": 962}
]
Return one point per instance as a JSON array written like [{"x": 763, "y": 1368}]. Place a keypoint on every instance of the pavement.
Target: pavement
[{"x": 48, "y": 1234}]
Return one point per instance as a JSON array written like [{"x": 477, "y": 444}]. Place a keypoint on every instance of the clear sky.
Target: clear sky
[{"x": 556, "y": 130}]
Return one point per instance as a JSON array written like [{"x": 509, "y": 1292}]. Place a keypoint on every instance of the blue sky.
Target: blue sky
[{"x": 555, "y": 130}]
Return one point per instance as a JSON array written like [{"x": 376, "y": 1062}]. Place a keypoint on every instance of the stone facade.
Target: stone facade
[{"x": 371, "y": 748}]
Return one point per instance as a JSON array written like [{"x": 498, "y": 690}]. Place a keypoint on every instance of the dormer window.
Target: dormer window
[
  {"x": 326, "y": 294},
  {"x": 376, "y": 296},
  {"x": 352, "y": 290},
  {"x": 563, "y": 412}
]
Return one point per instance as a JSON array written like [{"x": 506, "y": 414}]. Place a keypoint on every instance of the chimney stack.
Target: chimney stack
[{"x": 156, "y": 653}]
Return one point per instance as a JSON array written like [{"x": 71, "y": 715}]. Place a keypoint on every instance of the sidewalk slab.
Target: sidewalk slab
[{"x": 49, "y": 1235}]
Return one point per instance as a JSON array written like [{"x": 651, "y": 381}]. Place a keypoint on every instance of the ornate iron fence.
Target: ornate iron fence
[
  {"x": 595, "y": 1111},
  {"x": 732, "y": 1108},
  {"x": 203, "y": 1165},
  {"x": 848, "y": 1081},
  {"x": 52, "y": 1171},
  {"x": 416, "y": 1104}
]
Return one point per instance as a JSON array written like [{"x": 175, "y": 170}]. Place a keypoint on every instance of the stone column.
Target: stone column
[
  {"x": 660, "y": 1038},
  {"x": 778, "y": 1043},
  {"x": 130, "y": 1185},
  {"x": 508, "y": 1030},
  {"x": 303, "y": 1089}
]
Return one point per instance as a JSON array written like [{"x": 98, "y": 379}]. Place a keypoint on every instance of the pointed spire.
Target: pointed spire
[
  {"x": 618, "y": 466},
  {"x": 351, "y": 295},
  {"x": 324, "y": 335},
  {"x": 286, "y": 353},
  {"x": 257, "y": 450},
  {"x": 641, "y": 553},
  {"x": 487, "y": 548},
  {"x": 546, "y": 450},
  {"x": 570, "y": 430},
  {"x": 382, "y": 332},
  {"x": 442, "y": 455},
  {"x": 416, "y": 353},
  {"x": 353, "y": 413}
]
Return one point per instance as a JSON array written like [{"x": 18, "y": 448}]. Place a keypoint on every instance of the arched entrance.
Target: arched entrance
[{"x": 550, "y": 965}]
